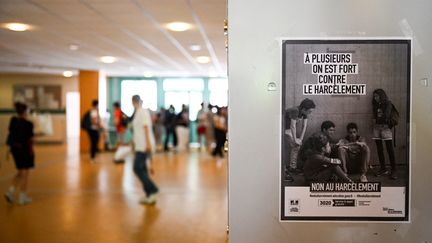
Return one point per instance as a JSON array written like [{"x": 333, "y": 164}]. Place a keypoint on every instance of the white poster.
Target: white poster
[{"x": 345, "y": 130}]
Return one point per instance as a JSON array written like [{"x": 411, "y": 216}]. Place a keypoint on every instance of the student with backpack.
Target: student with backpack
[
  {"x": 20, "y": 141},
  {"x": 385, "y": 118},
  {"x": 91, "y": 123}
]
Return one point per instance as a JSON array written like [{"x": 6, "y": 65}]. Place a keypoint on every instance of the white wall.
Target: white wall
[{"x": 254, "y": 61}]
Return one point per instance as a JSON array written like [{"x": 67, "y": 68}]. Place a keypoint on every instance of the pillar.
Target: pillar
[{"x": 89, "y": 91}]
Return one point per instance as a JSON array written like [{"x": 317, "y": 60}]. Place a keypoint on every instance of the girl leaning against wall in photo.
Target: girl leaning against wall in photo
[{"x": 382, "y": 112}]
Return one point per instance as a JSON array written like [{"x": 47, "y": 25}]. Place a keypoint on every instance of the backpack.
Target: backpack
[
  {"x": 393, "y": 120},
  {"x": 86, "y": 121},
  {"x": 124, "y": 120}
]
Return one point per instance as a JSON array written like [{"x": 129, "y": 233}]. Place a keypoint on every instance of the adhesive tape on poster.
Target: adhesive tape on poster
[{"x": 408, "y": 32}]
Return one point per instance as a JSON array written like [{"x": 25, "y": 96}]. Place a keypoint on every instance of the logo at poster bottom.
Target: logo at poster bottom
[{"x": 294, "y": 205}]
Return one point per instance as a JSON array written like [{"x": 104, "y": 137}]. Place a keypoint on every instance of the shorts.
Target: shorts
[
  {"x": 201, "y": 130},
  {"x": 382, "y": 132},
  {"x": 24, "y": 157}
]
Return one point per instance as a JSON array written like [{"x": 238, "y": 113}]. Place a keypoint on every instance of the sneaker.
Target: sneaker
[
  {"x": 393, "y": 175},
  {"x": 9, "y": 197},
  {"x": 295, "y": 171},
  {"x": 288, "y": 177},
  {"x": 24, "y": 200},
  {"x": 150, "y": 200},
  {"x": 363, "y": 178},
  {"x": 382, "y": 172}
]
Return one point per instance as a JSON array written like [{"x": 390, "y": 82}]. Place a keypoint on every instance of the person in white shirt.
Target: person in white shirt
[{"x": 143, "y": 144}]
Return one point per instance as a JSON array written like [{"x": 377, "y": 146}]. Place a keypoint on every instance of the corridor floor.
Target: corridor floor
[{"x": 77, "y": 201}]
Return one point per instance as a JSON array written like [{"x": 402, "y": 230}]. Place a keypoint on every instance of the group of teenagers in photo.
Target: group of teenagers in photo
[{"x": 322, "y": 158}]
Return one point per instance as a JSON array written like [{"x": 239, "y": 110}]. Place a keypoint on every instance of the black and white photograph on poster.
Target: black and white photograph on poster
[{"x": 345, "y": 130}]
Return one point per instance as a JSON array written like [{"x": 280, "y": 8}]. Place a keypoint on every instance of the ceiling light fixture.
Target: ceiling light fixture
[
  {"x": 108, "y": 59},
  {"x": 67, "y": 74},
  {"x": 73, "y": 47},
  {"x": 17, "y": 26},
  {"x": 203, "y": 59},
  {"x": 195, "y": 47},
  {"x": 148, "y": 74},
  {"x": 178, "y": 26}
]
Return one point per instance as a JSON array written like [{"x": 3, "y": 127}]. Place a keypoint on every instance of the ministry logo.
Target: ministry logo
[{"x": 294, "y": 206}]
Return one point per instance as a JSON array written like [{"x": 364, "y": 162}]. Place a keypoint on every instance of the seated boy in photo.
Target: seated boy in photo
[
  {"x": 354, "y": 153},
  {"x": 320, "y": 168}
]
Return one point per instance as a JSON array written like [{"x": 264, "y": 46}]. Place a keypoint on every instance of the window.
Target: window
[
  {"x": 218, "y": 88},
  {"x": 183, "y": 84},
  {"x": 184, "y": 91},
  {"x": 146, "y": 89}
]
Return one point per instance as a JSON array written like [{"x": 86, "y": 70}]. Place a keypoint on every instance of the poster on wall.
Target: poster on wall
[
  {"x": 345, "y": 130},
  {"x": 39, "y": 97}
]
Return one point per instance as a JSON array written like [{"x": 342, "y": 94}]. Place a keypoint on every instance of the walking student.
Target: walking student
[
  {"x": 20, "y": 141},
  {"x": 144, "y": 144}
]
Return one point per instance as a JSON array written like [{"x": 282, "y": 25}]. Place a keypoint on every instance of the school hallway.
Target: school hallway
[{"x": 77, "y": 201}]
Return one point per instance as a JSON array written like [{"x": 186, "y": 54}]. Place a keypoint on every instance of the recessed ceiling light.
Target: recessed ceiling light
[
  {"x": 17, "y": 26},
  {"x": 73, "y": 47},
  {"x": 108, "y": 59},
  {"x": 195, "y": 47},
  {"x": 203, "y": 59},
  {"x": 178, "y": 26},
  {"x": 67, "y": 74},
  {"x": 148, "y": 74}
]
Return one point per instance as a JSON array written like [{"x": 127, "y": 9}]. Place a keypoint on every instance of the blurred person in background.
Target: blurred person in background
[
  {"x": 20, "y": 141},
  {"x": 183, "y": 128},
  {"x": 91, "y": 123},
  {"x": 120, "y": 123},
  {"x": 144, "y": 145},
  {"x": 170, "y": 127},
  {"x": 209, "y": 135},
  {"x": 202, "y": 126},
  {"x": 220, "y": 130},
  {"x": 158, "y": 128}
]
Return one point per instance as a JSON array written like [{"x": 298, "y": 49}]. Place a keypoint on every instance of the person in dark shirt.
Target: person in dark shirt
[
  {"x": 220, "y": 131},
  {"x": 382, "y": 131},
  {"x": 328, "y": 128},
  {"x": 170, "y": 127},
  {"x": 320, "y": 168},
  {"x": 20, "y": 141}
]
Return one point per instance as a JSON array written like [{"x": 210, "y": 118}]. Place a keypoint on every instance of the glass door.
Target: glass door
[{"x": 188, "y": 92}]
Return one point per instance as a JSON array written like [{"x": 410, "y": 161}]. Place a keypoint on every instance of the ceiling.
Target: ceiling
[{"x": 133, "y": 31}]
